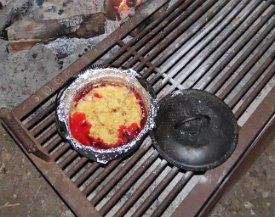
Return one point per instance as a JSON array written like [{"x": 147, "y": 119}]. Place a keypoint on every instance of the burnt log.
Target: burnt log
[
  {"x": 111, "y": 10},
  {"x": 27, "y": 32}
]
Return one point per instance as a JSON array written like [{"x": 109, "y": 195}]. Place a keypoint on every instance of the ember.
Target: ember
[
  {"x": 125, "y": 4},
  {"x": 120, "y": 9}
]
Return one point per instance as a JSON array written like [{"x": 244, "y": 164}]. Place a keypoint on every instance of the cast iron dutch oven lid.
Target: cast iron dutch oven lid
[{"x": 195, "y": 130}]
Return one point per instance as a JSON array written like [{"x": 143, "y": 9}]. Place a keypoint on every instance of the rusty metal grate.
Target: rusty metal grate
[{"x": 224, "y": 47}]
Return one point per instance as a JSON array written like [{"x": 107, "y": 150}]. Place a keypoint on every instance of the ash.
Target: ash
[{"x": 75, "y": 47}]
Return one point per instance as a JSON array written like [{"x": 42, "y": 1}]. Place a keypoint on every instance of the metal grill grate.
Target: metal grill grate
[{"x": 224, "y": 47}]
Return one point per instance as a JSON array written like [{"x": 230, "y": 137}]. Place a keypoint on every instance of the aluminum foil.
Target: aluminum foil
[{"x": 130, "y": 78}]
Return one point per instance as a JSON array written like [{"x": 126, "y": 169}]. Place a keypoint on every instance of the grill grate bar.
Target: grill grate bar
[
  {"x": 245, "y": 70},
  {"x": 247, "y": 52},
  {"x": 41, "y": 115},
  {"x": 72, "y": 171},
  {"x": 43, "y": 125},
  {"x": 129, "y": 203},
  {"x": 172, "y": 194},
  {"x": 68, "y": 159},
  {"x": 213, "y": 38},
  {"x": 50, "y": 132},
  {"x": 219, "y": 53},
  {"x": 255, "y": 92},
  {"x": 132, "y": 51},
  {"x": 81, "y": 179},
  {"x": 149, "y": 33},
  {"x": 110, "y": 166},
  {"x": 234, "y": 37},
  {"x": 196, "y": 36},
  {"x": 92, "y": 185},
  {"x": 64, "y": 148},
  {"x": 159, "y": 33},
  {"x": 250, "y": 82},
  {"x": 195, "y": 15},
  {"x": 54, "y": 143},
  {"x": 230, "y": 55},
  {"x": 123, "y": 170},
  {"x": 148, "y": 30},
  {"x": 135, "y": 196},
  {"x": 112, "y": 201},
  {"x": 156, "y": 192},
  {"x": 210, "y": 9}
]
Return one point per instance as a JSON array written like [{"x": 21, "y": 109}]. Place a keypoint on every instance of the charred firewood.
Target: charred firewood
[
  {"x": 25, "y": 33},
  {"x": 91, "y": 26},
  {"x": 111, "y": 10}
]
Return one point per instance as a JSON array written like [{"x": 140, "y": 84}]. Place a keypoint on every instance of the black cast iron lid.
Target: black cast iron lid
[{"x": 195, "y": 130}]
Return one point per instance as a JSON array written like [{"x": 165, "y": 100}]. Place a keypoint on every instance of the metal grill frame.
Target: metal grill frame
[{"x": 255, "y": 134}]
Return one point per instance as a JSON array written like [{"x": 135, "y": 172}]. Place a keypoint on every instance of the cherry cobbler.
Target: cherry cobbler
[{"x": 107, "y": 114}]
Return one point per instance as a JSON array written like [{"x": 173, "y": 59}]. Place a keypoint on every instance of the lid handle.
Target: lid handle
[{"x": 192, "y": 118}]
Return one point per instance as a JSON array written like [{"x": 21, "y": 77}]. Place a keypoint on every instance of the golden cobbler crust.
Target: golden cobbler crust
[{"x": 107, "y": 108}]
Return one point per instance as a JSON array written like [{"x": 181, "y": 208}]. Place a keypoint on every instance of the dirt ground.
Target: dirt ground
[
  {"x": 254, "y": 193},
  {"x": 24, "y": 192}
]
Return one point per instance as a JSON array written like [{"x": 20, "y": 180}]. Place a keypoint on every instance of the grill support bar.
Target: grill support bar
[{"x": 21, "y": 134}]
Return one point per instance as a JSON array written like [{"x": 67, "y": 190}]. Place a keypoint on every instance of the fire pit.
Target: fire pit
[{"x": 223, "y": 47}]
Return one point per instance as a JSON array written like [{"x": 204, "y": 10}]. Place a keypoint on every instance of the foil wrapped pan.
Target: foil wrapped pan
[{"x": 130, "y": 78}]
